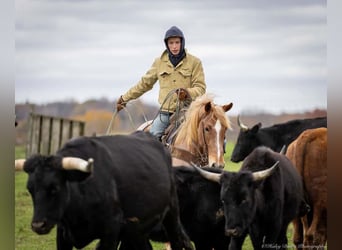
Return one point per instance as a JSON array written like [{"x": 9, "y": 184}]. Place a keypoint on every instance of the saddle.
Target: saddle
[{"x": 170, "y": 132}]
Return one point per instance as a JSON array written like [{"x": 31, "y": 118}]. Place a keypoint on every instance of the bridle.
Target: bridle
[{"x": 200, "y": 156}]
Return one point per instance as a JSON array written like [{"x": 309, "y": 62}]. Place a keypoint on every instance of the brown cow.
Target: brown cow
[{"x": 309, "y": 154}]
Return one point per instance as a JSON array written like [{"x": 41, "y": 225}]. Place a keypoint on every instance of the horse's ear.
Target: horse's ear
[
  {"x": 227, "y": 107},
  {"x": 207, "y": 107}
]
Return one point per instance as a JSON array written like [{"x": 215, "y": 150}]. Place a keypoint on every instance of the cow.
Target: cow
[
  {"x": 261, "y": 199},
  {"x": 201, "y": 210},
  {"x": 274, "y": 137},
  {"x": 109, "y": 188},
  {"x": 308, "y": 153}
]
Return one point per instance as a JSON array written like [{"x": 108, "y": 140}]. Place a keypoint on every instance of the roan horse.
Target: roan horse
[{"x": 200, "y": 137}]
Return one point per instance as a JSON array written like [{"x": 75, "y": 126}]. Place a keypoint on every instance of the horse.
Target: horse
[{"x": 199, "y": 139}]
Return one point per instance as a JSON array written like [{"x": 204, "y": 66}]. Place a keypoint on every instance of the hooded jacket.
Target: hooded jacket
[{"x": 187, "y": 74}]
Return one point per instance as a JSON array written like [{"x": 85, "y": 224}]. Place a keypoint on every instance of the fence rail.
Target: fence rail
[{"x": 47, "y": 133}]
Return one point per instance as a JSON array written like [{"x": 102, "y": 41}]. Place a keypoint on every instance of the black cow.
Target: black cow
[
  {"x": 201, "y": 210},
  {"x": 260, "y": 201},
  {"x": 274, "y": 137},
  {"x": 129, "y": 191}
]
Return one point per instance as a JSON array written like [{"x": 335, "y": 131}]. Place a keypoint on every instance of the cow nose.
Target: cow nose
[
  {"x": 217, "y": 165},
  {"x": 234, "y": 159},
  {"x": 232, "y": 232},
  {"x": 38, "y": 225}
]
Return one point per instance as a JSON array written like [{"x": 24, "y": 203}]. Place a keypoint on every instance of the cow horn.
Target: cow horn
[
  {"x": 207, "y": 175},
  {"x": 283, "y": 149},
  {"x": 260, "y": 175},
  {"x": 74, "y": 163},
  {"x": 241, "y": 125},
  {"x": 19, "y": 164}
]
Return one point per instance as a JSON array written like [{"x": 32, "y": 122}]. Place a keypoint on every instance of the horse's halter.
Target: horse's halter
[{"x": 199, "y": 152}]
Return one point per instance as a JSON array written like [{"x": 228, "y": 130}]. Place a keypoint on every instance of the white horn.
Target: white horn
[
  {"x": 260, "y": 175},
  {"x": 207, "y": 175},
  {"x": 283, "y": 149},
  {"x": 19, "y": 164},
  {"x": 241, "y": 125},
  {"x": 74, "y": 163}
]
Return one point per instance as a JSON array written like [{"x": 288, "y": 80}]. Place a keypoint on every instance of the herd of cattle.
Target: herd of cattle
[{"x": 124, "y": 191}]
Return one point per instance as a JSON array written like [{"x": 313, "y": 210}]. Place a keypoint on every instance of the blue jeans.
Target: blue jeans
[{"x": 160, "y": 123}]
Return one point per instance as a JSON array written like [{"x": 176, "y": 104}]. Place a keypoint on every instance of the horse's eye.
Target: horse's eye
[{"x": 207, "y": 129}]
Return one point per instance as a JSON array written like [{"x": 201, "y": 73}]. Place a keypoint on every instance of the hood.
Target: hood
[{"x": 174, "y": 32}]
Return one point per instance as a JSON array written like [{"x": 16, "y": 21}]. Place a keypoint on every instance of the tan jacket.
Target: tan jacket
[{"x": 188, "y": 74}]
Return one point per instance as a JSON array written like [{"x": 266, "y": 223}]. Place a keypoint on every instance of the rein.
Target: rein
[
  {"x": 179, "y": 105},
  {"x": 201, "y": 159},
  {"x": 186, "y": 155},
  {"x": 110, "y": 126}
]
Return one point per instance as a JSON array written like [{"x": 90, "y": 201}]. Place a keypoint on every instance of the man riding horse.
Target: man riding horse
[
  {"x": 181, "y": 80},
  {"x": 178, "y": 73}
]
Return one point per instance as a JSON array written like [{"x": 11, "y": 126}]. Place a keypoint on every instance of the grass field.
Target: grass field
[{"x": 26, "y": 239}]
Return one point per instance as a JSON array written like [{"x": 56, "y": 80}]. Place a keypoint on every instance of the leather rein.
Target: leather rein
[{"x": 199, "y": 158}]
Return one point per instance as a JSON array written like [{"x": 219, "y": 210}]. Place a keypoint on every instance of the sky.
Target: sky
[{"x": 262, "y": 55}]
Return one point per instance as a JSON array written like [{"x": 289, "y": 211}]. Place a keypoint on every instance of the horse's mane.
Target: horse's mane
[{"x": 188, "y": 130}]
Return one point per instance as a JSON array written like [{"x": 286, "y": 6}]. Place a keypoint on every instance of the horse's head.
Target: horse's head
[
  {"x": 211, "y": 132},
  {"x": 203, "y": 131}
]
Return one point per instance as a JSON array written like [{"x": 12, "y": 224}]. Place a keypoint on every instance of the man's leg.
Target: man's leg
[{"x": 160, "y": 123}]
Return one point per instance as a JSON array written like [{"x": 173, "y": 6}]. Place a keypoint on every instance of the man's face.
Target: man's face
[{"x": 174, "y": 45}]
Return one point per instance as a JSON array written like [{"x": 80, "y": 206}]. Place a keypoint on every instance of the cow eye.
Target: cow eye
[
  {"x": 243, "y": 202},
  {"x": 54, "y": 190}
]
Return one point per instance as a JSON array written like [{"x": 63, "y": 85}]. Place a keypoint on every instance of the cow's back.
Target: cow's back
[
  {"x": 137, "y": 164},
  {"x": 308, "y": 153}
]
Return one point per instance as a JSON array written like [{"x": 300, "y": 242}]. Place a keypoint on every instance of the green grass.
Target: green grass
[
  {"x": 230, "y": 166},
  {"x": 26, "y": 239}
]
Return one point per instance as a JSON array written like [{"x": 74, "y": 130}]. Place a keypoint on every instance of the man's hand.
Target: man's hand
[
  {"x": 182, "y": 94},
  {"x": 120, "y": 104}
]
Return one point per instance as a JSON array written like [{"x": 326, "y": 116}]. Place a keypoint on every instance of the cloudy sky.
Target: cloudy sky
[{"x": 262, "y": 55}]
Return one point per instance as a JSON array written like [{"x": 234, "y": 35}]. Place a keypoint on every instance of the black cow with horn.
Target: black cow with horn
[
  {"x": 111, "y": 188},
  {"x": 260, "y": 200},
  {"x": 274, "y": 137}
]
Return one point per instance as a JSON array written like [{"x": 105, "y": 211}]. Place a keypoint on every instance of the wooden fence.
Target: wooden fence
[{"x": 47, "y": 133}]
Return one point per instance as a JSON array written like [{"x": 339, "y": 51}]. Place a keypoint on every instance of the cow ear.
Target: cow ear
[
  {"x": 256, "y": 128},
  {"x": 182, "y": 174},
  {"x": 30, "y": 165},
  {"x": 33, "y": 162}
]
